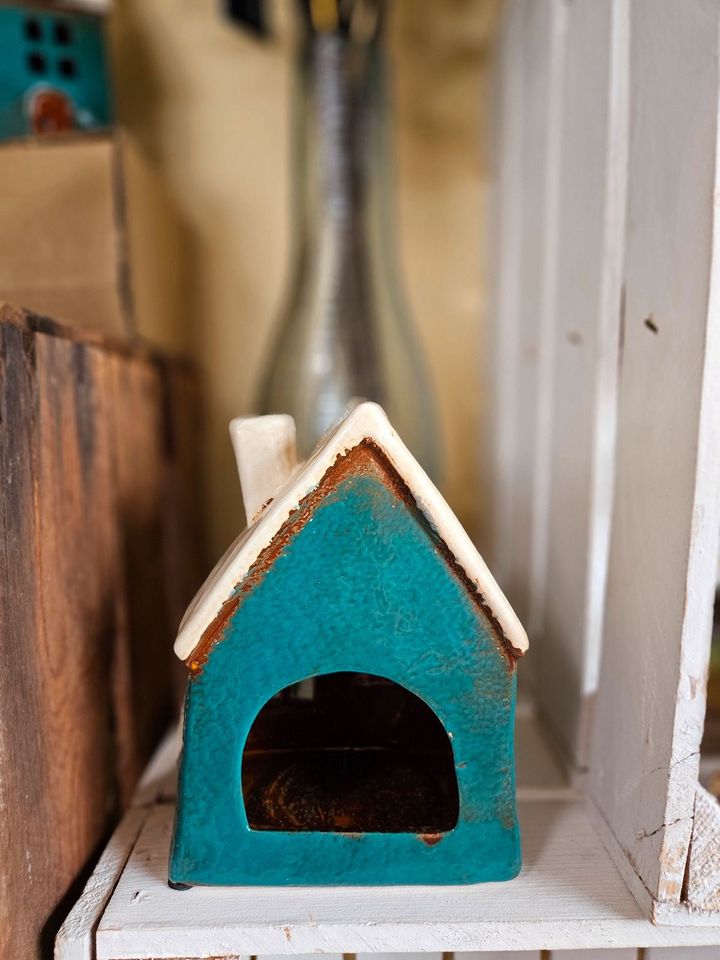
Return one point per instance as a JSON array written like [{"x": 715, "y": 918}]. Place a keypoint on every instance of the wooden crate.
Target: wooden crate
[
  {"x": 607, "y": 415},
  {"x": 100, "y": 554}
]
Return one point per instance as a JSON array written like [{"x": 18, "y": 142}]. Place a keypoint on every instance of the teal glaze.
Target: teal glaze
[
  {"x": 361, "y": 587},
  {"x": 87, "y": 89}
]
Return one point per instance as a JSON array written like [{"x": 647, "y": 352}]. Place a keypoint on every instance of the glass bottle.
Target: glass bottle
[{"x": 344, "y": 332}]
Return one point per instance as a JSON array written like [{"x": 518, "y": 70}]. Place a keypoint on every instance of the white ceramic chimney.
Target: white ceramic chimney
[{"x": 266, "y": 455}]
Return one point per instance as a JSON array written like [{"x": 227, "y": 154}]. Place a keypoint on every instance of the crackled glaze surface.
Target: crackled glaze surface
[{"x": 358, "y": 582}]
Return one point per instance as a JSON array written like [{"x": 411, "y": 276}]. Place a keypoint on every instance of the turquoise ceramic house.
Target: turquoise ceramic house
[
  {"x": 350, "y": 706},
  {"x": 53, "y": 68}
]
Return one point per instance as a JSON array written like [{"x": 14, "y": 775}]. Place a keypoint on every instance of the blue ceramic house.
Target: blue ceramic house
[
  {"x": 350, "y": 707},
  {"x": 54, "y": 75}
]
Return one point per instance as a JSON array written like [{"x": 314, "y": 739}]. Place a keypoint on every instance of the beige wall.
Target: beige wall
[{"x": 207, "y": 108}]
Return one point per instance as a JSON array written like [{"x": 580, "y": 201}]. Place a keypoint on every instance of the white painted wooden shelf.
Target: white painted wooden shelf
[{"x": 568, "y": 895}]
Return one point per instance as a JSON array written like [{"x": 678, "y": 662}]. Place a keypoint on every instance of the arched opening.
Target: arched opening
[{"x": 351, "y": 753}]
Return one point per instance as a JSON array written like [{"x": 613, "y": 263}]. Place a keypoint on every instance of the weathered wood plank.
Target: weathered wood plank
[
  {"x": 680, "y": 953},
  {"x": 76, "y": 938},
  {"x": 557, "y": 904},
  {"x": 627, "y": 953},
  {"x": 593, "y": 173},
  {"x": 398, "y": 956},
  {"x": 702, "y": 877},
  {"x": 650, "y": 705},
  {"x": 310, "y": 956},
  {"x": 500, "y": 955},
  {"x": 507, "y": 214},
  {"x": 540, "y": 282},
  {"x": 58, "y": 671},
  {"x": 21, "y": 783},
  {"x": 77, "y": 598},
  {"x": 75, "y": 732},
  {"x": 569, "y": 895},
  {"x": 531, "y": 70}
]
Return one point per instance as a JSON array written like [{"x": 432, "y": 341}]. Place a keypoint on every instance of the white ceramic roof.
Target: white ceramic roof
[{"x": 365, "y": 421}]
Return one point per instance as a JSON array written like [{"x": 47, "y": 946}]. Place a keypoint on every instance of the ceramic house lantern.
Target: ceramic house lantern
[
  {"x": 53, "y": 68},
  {"x": 350, "y": 707}
]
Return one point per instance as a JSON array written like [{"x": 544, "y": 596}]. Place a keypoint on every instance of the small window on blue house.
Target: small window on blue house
[
  {"x": 349, "y": 753},
  {"x": 67, "y": 68},
  {"x": 32, "y": 28},
  {"x": 36, "y": 63},
  {"x": 62, "y": 33}
]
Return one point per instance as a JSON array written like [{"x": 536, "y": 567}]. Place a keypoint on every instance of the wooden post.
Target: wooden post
[
  {"x": 651, "y": 699},
  {"x": 97, "y": 510},
  {"x": 531, "y": 69},
  {"x": 562, "y": 171},
  {"x": 585, "y": 331}
]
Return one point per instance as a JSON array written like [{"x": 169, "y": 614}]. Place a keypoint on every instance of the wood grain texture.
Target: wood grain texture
[
  {"x": 702, "y": 885},
  {"x": 650, "y": 705},
  {"x": 75, "y": 939},
  {"x": 499, "y": 955},
  {"x": 309, "y": 956},
  {"x": 627, "y": 953},
  {"x": 591, "y": 214},
  {"x": 568, "y": 896},
  {"x": 81, "y": 711},
  {"x": 680, "y": 953},
  {"x": 402, "y": 956}
]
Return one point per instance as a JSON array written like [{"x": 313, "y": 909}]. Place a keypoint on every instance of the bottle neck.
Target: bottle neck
[
  {"x": 333, "y": 174},
  {"x": 344, "y": 332},
  {"x": 337, "y": 158}
]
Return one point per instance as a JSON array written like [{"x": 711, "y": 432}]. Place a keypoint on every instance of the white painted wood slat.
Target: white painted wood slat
[
  {"x": 75, "y": 939},
  {"x": 499, "y": 955},
  {"x": 569, "y": 895},
  {"x": 308, "y": 956},
  {"x": 591, "y": 212},
  {"x": 401, "y": 956},
  {"x": 505, "y": 251},
  {"x": 682, "y": 953},
  {"x": 628, "y": 953},
  {"x": 650, "y": 704},
  {"x": 531, "y": 66}
]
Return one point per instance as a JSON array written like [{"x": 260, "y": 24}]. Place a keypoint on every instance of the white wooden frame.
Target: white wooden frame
[
  {"x": 665, "y": 535},
  {"x": 632, "y": 439},
  {"x": 570, "y": 895},
  {"x": 584, "y": 336}
]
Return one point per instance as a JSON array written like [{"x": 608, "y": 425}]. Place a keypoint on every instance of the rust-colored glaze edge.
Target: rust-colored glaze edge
[
  {"x": 355, "y": 461},
  {"x": 430, "y": 839}
]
